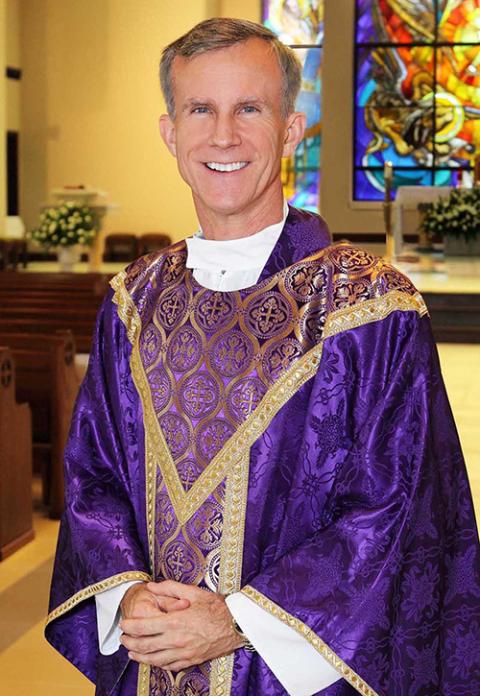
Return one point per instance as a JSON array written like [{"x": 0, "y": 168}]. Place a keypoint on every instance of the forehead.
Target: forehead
[{"x": 250, "y": 65}]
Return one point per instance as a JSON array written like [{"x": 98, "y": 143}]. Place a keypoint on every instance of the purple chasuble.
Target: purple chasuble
[{"x": 292, "y": 441}]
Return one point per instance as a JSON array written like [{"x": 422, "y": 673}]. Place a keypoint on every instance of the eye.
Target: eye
[
  {"x": 250, "y": 109},
  {"x": 200, "y": 110}
]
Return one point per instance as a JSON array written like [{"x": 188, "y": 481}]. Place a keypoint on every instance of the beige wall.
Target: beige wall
[
  {"x": 13, "y": 57},
  {"x": 91, "y": 105},
  {"x": 3, "y": 96},
  {"x": 342, "y": 214}
]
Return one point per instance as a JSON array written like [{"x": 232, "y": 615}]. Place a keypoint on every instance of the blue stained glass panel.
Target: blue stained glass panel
[
  {"x": 369, "y": 184},
  {"x": 301, "y": 174}
]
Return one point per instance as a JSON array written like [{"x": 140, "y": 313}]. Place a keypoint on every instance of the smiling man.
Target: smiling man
[{"x": 265, "y": 493}]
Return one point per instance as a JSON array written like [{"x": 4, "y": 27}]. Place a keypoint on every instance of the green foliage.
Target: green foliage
[
  {"x": 65, "y": 225},
  {"x": 458, "y": 215}
]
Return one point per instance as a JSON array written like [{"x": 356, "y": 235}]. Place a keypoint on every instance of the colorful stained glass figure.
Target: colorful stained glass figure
[
  {"x": 417, "y": 92},
  {"x": 299, "y": 23},
  {"x": 295, "y": 22}
]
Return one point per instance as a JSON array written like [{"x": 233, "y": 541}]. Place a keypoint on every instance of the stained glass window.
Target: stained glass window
[
  {"x": 299, "y": 24},
  {"x": 417, "y": 92}
]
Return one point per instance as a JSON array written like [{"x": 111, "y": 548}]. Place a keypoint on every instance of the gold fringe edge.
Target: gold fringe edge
[
  {"x": 315, "y": 641},
  {"x": 92, "y": 590},
  {"x": 129, "y": 316}
]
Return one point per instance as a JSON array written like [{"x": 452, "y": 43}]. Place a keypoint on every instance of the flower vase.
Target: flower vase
[{"x": 67, "y": 257}]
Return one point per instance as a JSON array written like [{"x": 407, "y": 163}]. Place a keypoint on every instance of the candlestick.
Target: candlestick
[{"x": 387, "y": 211}]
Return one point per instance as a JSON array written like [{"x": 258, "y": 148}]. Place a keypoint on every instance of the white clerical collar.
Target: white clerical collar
[{"x": 234, "y": 254}]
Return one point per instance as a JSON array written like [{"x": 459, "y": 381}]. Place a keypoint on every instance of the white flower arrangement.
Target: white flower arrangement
[
  {"x": 455, "y": 216},
  {"x": 65, "y": 225}
]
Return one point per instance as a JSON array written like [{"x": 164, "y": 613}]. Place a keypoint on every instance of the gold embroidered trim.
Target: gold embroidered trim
[
  {"x": 231, "y": 556},
  {"x": 131, "y": 319},
  {"x": 92, "y": 590},
  {"x": 315, "y": 641},
  {"x": 372, "y": 310},
  {"x": 143, "y": 682}
]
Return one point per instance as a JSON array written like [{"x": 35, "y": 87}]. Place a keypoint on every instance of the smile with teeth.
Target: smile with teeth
[{"x": 226, "y": 167}]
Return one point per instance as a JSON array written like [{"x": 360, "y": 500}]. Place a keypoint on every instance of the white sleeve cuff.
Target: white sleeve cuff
[
  {"x": 108, "y": 616},
  {"x": 300, "y": 669}
]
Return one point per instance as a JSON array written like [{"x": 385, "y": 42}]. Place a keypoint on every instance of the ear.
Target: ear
[
  {"x": 295, "y": 128},
  {"x": 167, "y": 131}
]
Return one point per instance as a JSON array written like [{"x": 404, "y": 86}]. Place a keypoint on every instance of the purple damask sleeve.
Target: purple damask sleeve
[
  {"x": 102, "y": 539},
  {"x": 388, "y": 575}
]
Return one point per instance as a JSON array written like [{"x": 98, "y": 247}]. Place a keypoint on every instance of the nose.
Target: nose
[{"x": 224, "y": 132}]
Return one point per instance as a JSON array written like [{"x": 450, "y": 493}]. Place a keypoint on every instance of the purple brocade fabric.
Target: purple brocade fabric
[{"x": 359, "y": 519}]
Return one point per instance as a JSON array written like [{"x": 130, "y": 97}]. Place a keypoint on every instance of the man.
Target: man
[{"x": 262, "y": 471}]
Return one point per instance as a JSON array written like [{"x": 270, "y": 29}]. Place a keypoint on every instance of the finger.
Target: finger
[
  {"x": 145, "y": 626},
  {"x": 171, "y": 603},
  {"x": 171, "y": 588},
  {"x": 148, "y": 645},
  {"x": 143, "y": 609},
  {"x": 161, "y": 659}
]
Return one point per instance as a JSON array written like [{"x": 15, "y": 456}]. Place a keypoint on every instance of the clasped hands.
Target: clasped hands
[{"x": 174, "y": 626}]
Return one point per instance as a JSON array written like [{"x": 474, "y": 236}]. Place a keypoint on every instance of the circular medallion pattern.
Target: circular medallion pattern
[
  {"x": 180, "y": 562},
  {"x": 393, "y": 280},
  {"x": 245, "y": 397},
  {"x": 351, "y": 259},
  {"x": 212, "y": 572},
  {"x": 199, "y": 395},
  {"x": 166, "y": 518},
  {"x": 268, "y": 314},
  {"x": 348, "y": 293},
  {"x": 150, "y": 344},
  {"x": 194, "y": 684},
  {"x": 214, "y": 310},
  {"x": 188, "y": 471},
  {"x": 173, "y": 268},
  {"x": 176, "y": 432},
  {"x": 184, "y": 348},
  {"x": 312, "y": 324},
  {"x": 172, "y": 307},
  {"x": 160, "y": 388},
  {"x": 305, "y": 282},
  {"x": 211, "y": 436},
  {"x": 161, "y": 682},
  {"x": 280, "y": 356},
  {"x": 205, "y": 527},
  {"x": 232, "y": 353}
]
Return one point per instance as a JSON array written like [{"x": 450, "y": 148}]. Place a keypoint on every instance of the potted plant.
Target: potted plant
[
  {"x": 66, "y": 227},
  {"x": 456, "y": 220}
]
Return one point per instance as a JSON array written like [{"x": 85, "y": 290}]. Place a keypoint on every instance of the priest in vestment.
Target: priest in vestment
[{"x": 262, "y": 449}]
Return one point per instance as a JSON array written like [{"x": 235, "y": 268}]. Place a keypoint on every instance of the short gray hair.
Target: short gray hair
[{"x": 220, "y": 32}]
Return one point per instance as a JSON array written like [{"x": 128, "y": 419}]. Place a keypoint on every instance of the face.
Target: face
[{"x": 229, "y": 134}]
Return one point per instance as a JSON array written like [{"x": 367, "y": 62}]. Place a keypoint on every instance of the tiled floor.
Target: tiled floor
[{"x": 29, "y": 667}]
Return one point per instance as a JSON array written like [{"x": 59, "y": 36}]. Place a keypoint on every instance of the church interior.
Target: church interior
[{"x": 79, "y": 106}]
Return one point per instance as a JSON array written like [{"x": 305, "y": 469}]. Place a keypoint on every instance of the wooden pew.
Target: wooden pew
[
  {"x": 90, "y": 283},
  {"x": 47, "y": 379},
  {"x": 45, "y": 303},
  {"x": 15, "y": 463}
]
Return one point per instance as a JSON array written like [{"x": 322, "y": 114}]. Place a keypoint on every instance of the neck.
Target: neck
[{"x": 220, "y": 226}]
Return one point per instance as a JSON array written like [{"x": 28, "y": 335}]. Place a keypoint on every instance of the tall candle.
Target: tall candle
[{"x": 388, "y": 179}]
